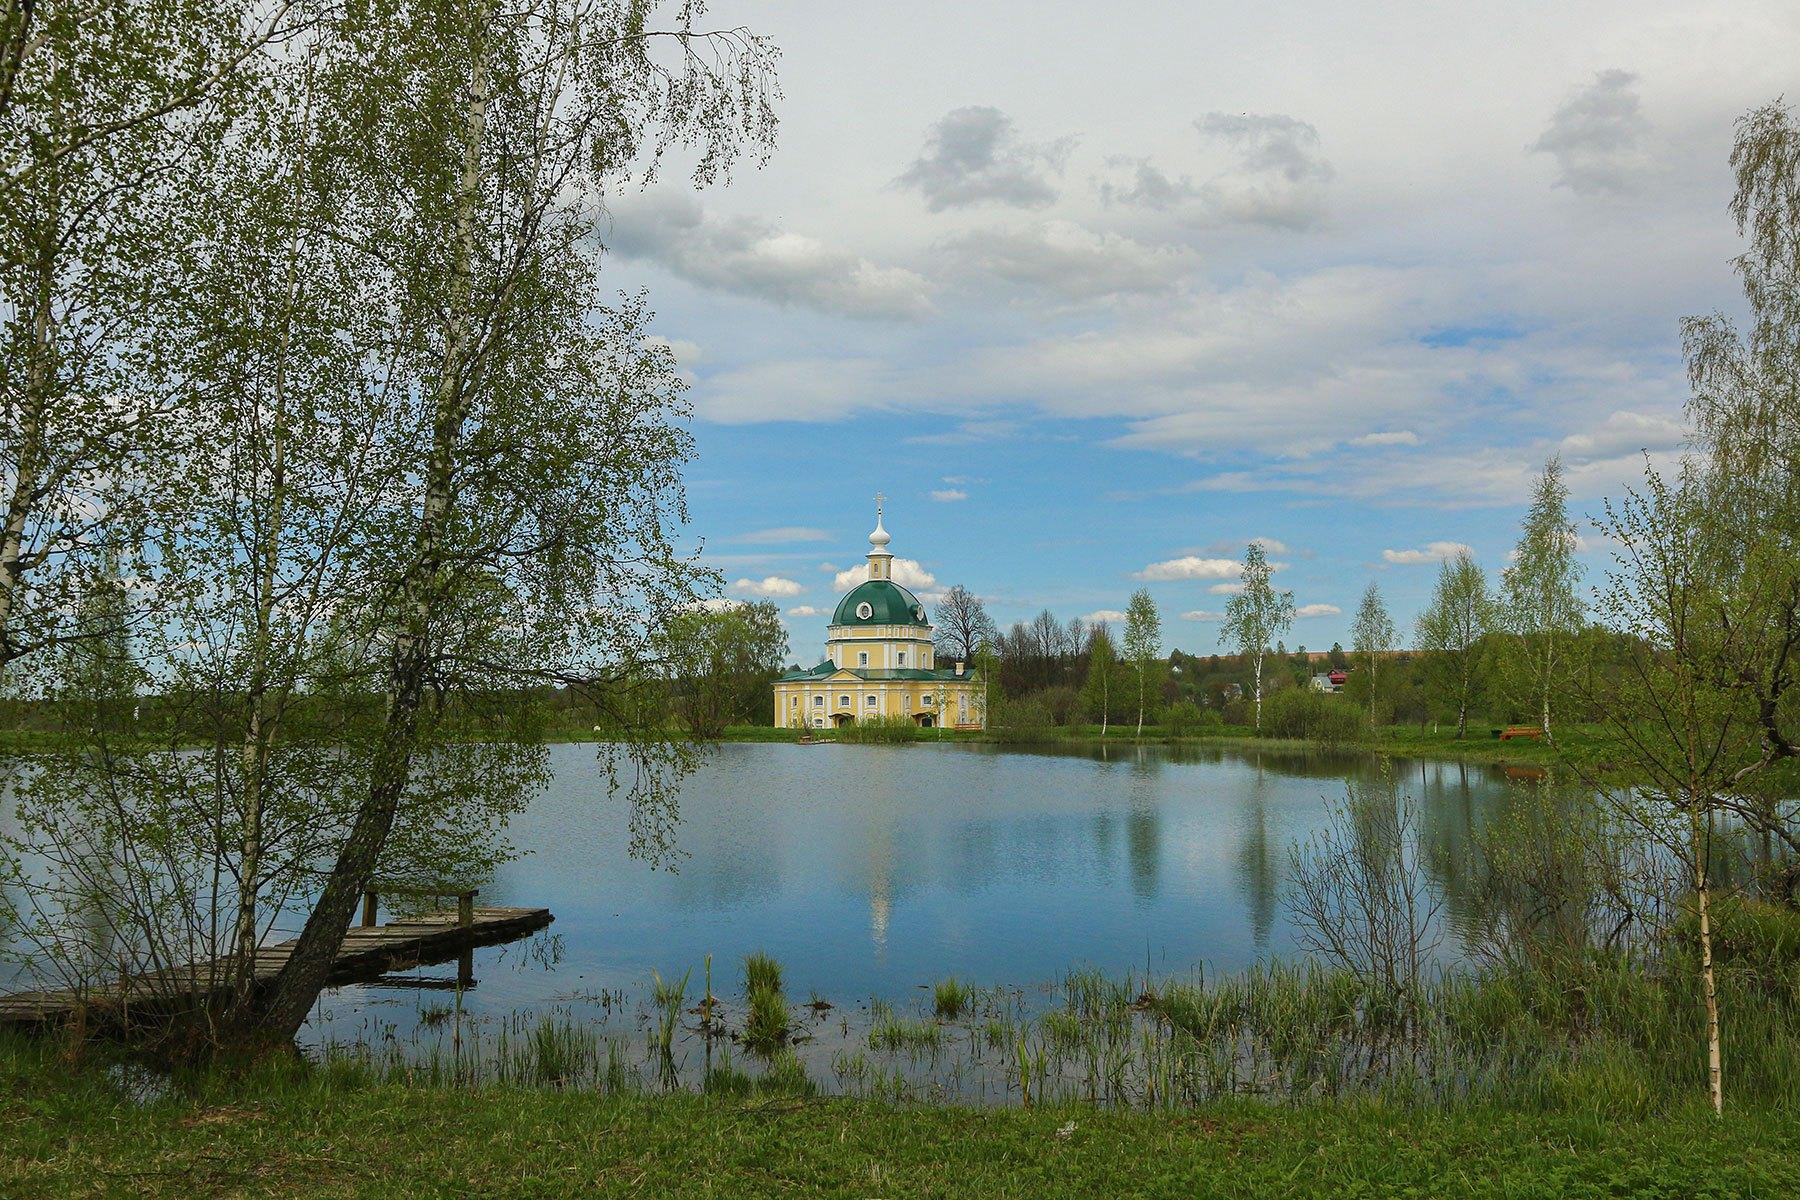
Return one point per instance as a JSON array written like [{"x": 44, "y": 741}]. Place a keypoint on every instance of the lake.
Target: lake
[{"x": 871, "y": 872}]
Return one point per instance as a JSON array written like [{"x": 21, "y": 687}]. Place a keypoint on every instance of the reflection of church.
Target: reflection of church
[{"x": 879, "y": 661}]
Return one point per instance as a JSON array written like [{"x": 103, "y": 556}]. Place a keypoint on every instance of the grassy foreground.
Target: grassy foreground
[{"x": 66, "y": 1133}]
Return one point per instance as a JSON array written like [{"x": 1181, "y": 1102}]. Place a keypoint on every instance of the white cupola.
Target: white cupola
[{"x": 881, "y": 562}]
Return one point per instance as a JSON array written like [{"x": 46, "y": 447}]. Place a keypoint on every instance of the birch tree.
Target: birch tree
[
  {"x": 546, "y": 444},
  {"x": 1256, "y": 616},
  {"x": 1103, "y": 666},
  {"x": 1451, "y": 628},
  {"x": 1143, "y": 644},
  {"x": 1371, "y": 636},
  {"x": 1538, "y": 605},
  {"x": 102, "y": 118}
]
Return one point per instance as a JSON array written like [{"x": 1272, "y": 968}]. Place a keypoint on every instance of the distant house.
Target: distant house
[
  {"x": 1329, "y": 681},
  {"x": 1232, "y": 691}
]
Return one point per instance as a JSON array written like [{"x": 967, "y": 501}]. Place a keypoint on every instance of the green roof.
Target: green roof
[
  {"x": 889, "y": 604},
  {"x": 878, "y": 674}
]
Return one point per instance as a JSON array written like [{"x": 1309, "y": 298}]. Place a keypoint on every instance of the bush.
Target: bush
[
  {"x": 1184, "y": 718},
  {"x": 882, "y": 731},
  {"x": 1023, "y": 722},
  {"x": 1313, "y": 716}
]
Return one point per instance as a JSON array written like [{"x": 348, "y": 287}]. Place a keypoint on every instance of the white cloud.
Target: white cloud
[
  {"x": 1435, "y": 552},
  {"x": 806, "y": 610},
  {"x": 1625, "y": 433},
  {"x": 1393, "y": 437},
  {"x": 908, "y": 573},
  {"x": 770, "y": 585},
  {"x": 1190, "y": 567},
  {"x": 1279, "y": 176},
  {"x": 1599, "y": 137},
  {"x": 713, "y": 604},
  {"x": 1318, "y": 610},
  {"x": 1274, "y": 175},
  {"x": 1200, "y": 614},
  {"x": 1226, "y": 589},
  {"x": 749, "y": 257},
  {"x": 803, "y": 389},
  {"x": 1109, "y": 616},
  {"x": 1063, "y": 261},
  {"x": 974, "y": 156},
  {"x": 782, "y": 534},
  {"x": 949, "y": 495}
]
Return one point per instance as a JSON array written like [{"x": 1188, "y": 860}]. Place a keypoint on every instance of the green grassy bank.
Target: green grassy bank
[{"x": 66, "y": 1132}]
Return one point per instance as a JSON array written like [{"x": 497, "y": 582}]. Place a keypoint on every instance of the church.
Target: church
[{"x": 880, "y": 662}]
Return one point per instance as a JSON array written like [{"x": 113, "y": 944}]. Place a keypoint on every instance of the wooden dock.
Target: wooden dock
[{"x": 369, "y": 950}]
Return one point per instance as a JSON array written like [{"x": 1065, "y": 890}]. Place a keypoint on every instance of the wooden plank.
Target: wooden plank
[{"x": 434, "y": 937}]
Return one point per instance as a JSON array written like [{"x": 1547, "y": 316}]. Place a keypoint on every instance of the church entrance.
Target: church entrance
[
  {"x": 924, "y": 720},
  {"x": 843, "y": 719}
]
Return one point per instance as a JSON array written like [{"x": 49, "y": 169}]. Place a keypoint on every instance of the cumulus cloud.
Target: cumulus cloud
[
  {"x": 1599, "y": 137},
  {"x": 1276, "y": 175},
  {"x": 1225, "y": 589},
  {"x": 949, "y": 495},
  {"x": 1066, "y": 261},
  {"x": 1435, "y": 552},
  {"x": 1625, "y": 433},
  {"x": 908, "y": 573},
  {"x": 769, "y": 585},
  {"x": 1201, "y": 614},
  {"x": 1390, "y": 437},
  {"x": 1190, "y": 566},
  {"x": 1318, "y": 610},
  {"x": 781, "y": 534},
  {"x": 1108, "y": 616},
  {"x": 794, "y": 389},
  {"x": 1140, "y": 183},
  {"x": 750, "y": 257},
  {"x": 974, "y": 156},
  {"x": 1280, "y": 175},
  {"x": 806, "y": 610}
]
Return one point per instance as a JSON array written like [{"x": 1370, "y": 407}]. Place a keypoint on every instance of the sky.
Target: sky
[{"x": 1097, "y": 294}]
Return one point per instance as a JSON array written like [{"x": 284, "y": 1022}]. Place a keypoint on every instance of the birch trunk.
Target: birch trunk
[
  {"x": 1715, "y": 1080},
  {"x": 305, "y": 972}
]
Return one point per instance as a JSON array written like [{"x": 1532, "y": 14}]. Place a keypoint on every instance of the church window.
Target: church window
[
  {"x": 864, "y": 611},
  {"x": 901, "y": 660},
  {"x": 818, "y": 702},
  {"x": 862, "y": 658},
  {"x": 843, "y": 702},
  {"x": 869, "y": 701},
  {"x": 927, "y": 700}
]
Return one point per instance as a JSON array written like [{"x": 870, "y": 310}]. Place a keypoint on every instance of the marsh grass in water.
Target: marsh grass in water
[
  {"x": 761, "y": 972},
  {"x": 951, "y": 997}
]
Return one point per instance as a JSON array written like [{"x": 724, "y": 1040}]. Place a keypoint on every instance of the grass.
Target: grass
[
  {"x": 951, "y": 997},
  {"x": 893, "y": 1034},
  {"x": 766, "y": 1026},
  {"x": 288, "y": 1132},
  {"x": 761, "y": 972},
  {"x": 1406, "y": 741}
]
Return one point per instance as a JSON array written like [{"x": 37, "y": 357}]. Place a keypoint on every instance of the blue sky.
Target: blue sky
[{"x": 1096, "y": 295}]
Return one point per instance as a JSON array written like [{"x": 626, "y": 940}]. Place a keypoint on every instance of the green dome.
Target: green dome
[{"x": 889, "y": 604}]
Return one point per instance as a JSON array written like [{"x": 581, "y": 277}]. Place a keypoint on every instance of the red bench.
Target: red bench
[{"x": 1520, "y": 731}]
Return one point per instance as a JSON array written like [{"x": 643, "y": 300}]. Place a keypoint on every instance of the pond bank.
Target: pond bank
[
  {"x": 1401, "y": 741},
  {"x": 68, "y": 1133}
]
